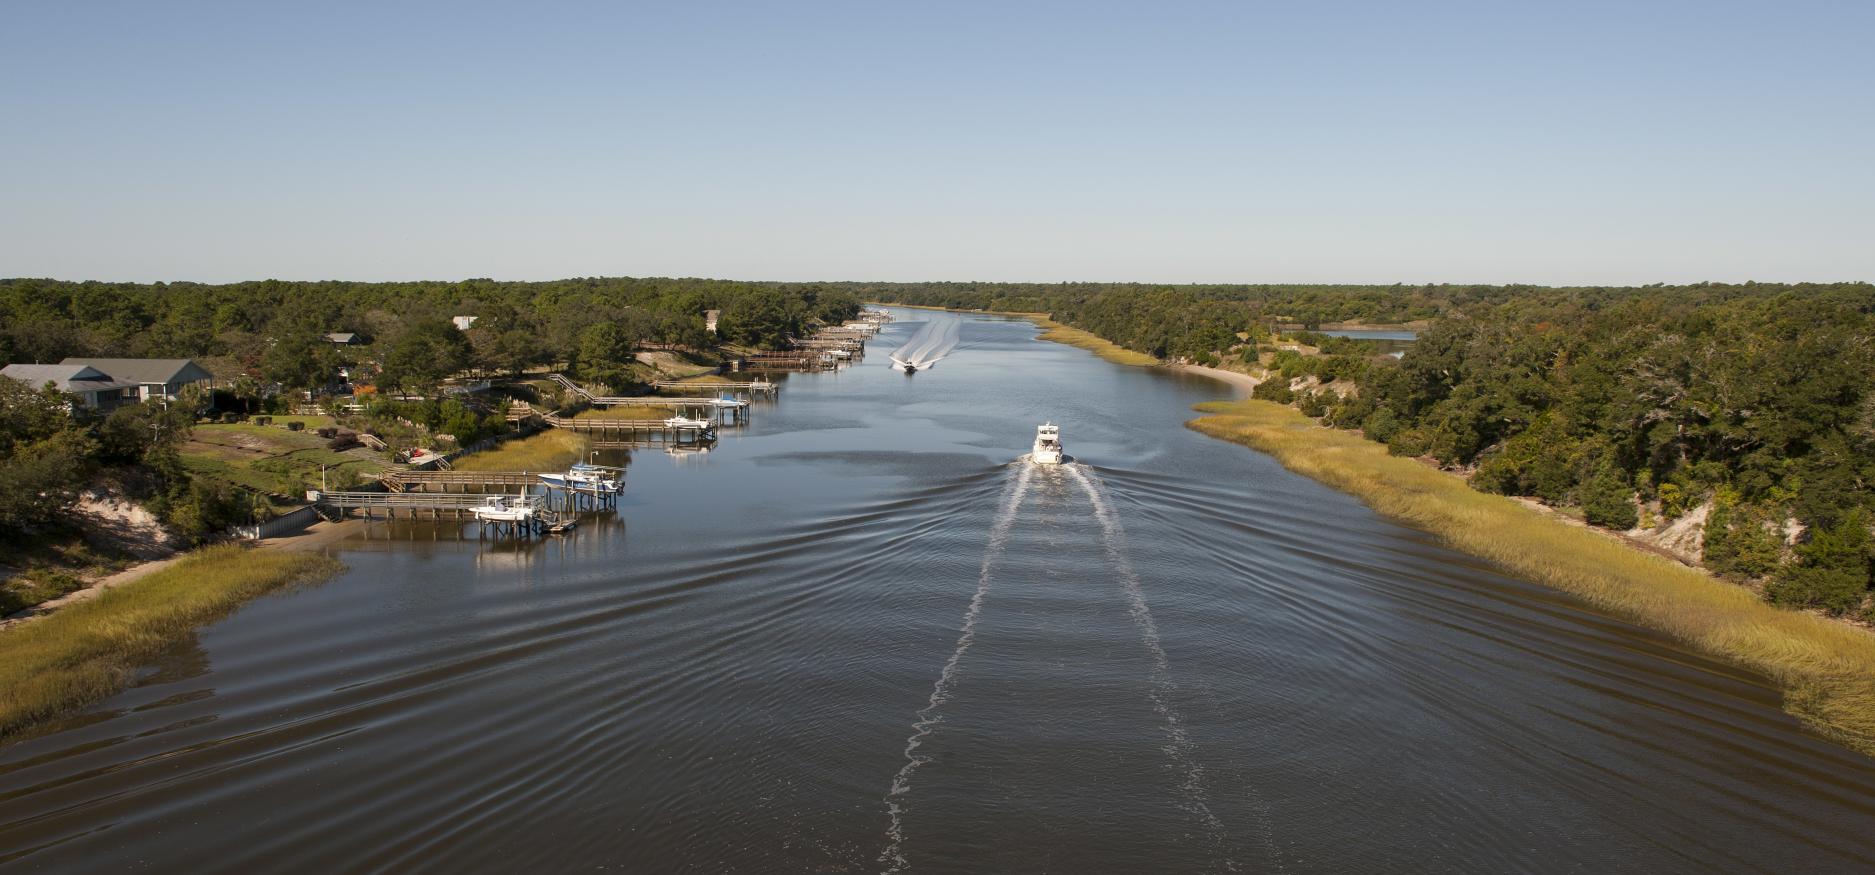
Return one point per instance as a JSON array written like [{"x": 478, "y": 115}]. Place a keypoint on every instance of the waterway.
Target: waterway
[{"x": 859, "y": 636}]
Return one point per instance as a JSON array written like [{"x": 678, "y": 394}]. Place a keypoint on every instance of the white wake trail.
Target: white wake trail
[
  {"x": 1179, "y": 746},
  {"x": 928, "y": 717},
  {"x": 931, "y": 344}
]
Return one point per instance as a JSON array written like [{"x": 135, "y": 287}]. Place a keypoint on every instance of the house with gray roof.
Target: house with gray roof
[
  {"x": 154, "y": 378},
  {"x": 94, "y": 388}
]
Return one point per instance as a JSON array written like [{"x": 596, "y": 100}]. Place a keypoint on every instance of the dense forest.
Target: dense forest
[
  {"x": 1753, "y": 404},
  {"x": 276, "y": 330}
]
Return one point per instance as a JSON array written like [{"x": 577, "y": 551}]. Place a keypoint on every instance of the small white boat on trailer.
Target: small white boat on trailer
[{"x": 1047, "y": 450}]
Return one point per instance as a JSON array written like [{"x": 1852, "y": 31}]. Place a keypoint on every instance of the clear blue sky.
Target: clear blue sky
[{"x": 1564, "y": 142}]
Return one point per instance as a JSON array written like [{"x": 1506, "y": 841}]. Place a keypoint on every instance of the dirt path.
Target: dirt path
[
  {"x": 90, "y": 591},
  {"x": 314, "y": 537}
]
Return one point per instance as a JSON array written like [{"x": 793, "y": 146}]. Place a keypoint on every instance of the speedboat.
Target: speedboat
[
  {"x": 681, "y": 421},
  {"x": 908, "y": 366},
  {"x": 1047, "y": 449}
]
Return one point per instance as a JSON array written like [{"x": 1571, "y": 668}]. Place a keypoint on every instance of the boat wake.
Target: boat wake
[
  {"x": 928, "y": 717},
  {"x": 934, "y": 341},
  {"x": 1179, "y": 747}
]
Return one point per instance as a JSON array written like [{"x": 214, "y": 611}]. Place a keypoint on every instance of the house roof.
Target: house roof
[
  {"x": 341, "y": 337},
  {"x": 147, "y": 371},
  {"x": 66, "y": 378}
]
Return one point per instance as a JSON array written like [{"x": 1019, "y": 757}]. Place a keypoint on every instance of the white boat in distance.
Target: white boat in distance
[{"x": 1047, "y": 449}]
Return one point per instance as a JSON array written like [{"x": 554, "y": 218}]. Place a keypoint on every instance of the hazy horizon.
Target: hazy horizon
[{"x": 1353, "y": 142}]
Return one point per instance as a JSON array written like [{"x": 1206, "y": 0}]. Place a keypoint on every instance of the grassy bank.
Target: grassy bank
[
  {"x": 89, "y": 650},
  {"x": 1087, "y": 340},
  {"x": 550, "y": 450},
  {"x": 1826, "y": 669}
]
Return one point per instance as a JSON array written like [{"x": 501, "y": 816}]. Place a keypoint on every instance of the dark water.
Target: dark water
[{"x": 1174, "y": 658}]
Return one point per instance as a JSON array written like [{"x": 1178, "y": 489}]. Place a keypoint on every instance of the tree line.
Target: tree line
[{"x": 276, "y": 330}]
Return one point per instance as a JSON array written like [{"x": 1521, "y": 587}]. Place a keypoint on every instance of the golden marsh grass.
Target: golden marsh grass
[
  {"x": 1087, "y": 340},
  {"x": 1826, "y": 669},
  {"x": 550, "y": 450},
  {"x": 86, "y": 651}
]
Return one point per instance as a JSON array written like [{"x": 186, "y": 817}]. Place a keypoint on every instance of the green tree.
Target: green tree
[
  {"x": 1737, "y": 540},
  {"x": 1607, "y": 500},
  {"x": 301, "y": 360},
  {"x": 1832, "y": 568},
  {"x": 40, "y": 479},
  {"x": 424, "y": 354}
]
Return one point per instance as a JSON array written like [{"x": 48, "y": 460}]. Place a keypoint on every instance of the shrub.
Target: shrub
[
  {"x": 201, "y": 508},
  {"x": 1672, "y": 501},
  {"x": 1607, "y": 501},
  {"x": 1736, "y": 539},
  {"x": 1273, "y": 389},
  {"x": 1832, "y": 568},
  {"x": 1312, "y": 404}
]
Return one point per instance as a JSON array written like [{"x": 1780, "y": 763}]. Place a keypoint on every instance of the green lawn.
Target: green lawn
[{"x": 269, "y": 458}]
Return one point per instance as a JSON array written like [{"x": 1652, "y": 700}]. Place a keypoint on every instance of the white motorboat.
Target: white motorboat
[
  {"x": 582, "y": 476},
  {"x": 500, "y": 509},
  {"x": 1047, "y": 449},
  {"x": 681, "y": 421}
]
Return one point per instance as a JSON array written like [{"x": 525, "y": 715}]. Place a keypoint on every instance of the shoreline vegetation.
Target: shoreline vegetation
[
  {"x": 1825, "y": 669},
  {"x": 90, "y": 650}
]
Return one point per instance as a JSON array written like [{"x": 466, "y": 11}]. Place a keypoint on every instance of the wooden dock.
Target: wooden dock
[
  {"x": 633, "y": 429},
  {"x": 756, "y": 387},
  {"x": 443, "y": 481},
  {"x": 413, "y": 504}
]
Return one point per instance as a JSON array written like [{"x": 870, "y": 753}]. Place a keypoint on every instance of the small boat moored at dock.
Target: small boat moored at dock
[
  {"x": 501, "y": 509},
  {"x": 594, "y": 478},
  {"x": 680, "y": 421}
]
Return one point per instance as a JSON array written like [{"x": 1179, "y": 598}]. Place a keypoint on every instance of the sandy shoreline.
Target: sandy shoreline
[{"x": 1241, "y": 381}]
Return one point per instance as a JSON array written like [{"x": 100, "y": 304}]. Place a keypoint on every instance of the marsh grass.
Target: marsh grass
[
  {"x": 1100, "y": 346},
  {"x": 86, "y": 651},
  {"x": 550, "y": 450},
  {"x": 1826, "y": 669}
]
